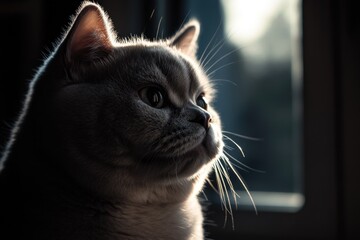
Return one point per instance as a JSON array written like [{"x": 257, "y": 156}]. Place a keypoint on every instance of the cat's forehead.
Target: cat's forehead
[{"x": 163, "y": 66}]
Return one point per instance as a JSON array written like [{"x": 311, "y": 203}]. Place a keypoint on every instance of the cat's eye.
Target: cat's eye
[
  {"x": 202, "y": 102},
  {"x": 153, "y": 96}
]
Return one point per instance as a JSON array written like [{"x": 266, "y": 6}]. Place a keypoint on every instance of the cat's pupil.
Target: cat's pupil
[
  {"x": 155, "y": 97},
  {"x": 152, "y": 96},
  {"x": 201, "y": 102}
]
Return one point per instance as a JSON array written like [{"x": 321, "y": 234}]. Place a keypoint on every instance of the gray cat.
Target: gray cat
[{"x": 115, "y": 141}]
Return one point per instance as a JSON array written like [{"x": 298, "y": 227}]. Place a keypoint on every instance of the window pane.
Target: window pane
[{"x": 252, "y": 51}]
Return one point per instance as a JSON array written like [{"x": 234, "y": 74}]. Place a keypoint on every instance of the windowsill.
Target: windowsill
[{"x": 289, "y": 202}]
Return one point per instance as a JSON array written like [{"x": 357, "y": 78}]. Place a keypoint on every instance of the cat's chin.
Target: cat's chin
[
  {"x": 189, "y": 163},
  {"x": 204, "y": 153},
  {"x": 182, "y": 163}
]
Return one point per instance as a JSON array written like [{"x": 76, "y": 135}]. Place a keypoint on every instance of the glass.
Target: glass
[{"x": 252, "y": 50}]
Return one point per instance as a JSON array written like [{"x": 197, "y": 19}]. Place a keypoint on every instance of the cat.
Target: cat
[{"x": 115, "y": 140}]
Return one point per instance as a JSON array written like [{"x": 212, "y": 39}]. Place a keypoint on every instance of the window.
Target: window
[
  {"x": 252, "y": 53},
  {"x": 282, "y": 91}
]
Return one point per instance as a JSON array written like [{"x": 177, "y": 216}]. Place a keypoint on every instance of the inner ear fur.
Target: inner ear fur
[
  {"x": 186, "y": 39},
  {"x": 90, "y": 36}
]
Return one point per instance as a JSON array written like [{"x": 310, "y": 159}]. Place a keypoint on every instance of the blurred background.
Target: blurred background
[{"x": 287, "y": 75}]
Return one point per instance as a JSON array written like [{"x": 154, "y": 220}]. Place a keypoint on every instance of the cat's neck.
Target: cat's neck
[
  {"x": 126, "y": 219},
  {"x": 61, "y": 210},
  {"x": 75, "y": 216},
  {"x": 155, "y": 221}
]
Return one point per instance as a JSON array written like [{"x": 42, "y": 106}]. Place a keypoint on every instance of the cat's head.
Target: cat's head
[{"x": 133, "y": 117}]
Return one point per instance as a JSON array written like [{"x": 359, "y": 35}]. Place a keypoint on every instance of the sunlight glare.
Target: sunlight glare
[{"x": 247, "y": 20}]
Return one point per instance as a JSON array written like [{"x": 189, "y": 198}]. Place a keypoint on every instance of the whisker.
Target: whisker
[
  {"x": 225, "y": 188},
  {"x": 204, "y": 61},
  {"x": 152, "y": 13},
  {"x": 147, "y": 22},
  {"x": 207, "y": 46},
  {"x": 243, "y": 168},
  {"x": 244, "y": 186},
  {"x": 243, "y": 136},
  {"x": 225, "y": 195},
  {"x": 158, "y": 28},
  {"x": 212, "y": 185},
  {"x": 220, "y": 187},
  {"x": 221, "y": 43},
  {"x": 240, "y": 149},
  {"x": 216, "y": 48},
  {"x": 221, "y": 67},
  {"x": 242, "y": 164},
  {"x": 218, "y": 60},
  {"x": 227, "y": 162},
  {"x": 224, "y": 173},
  {"x": 229, "y": 148},
  {"x": 186, "y": 16},
  {"x": 227, "y": 178},
  {"x": 203, "y": 193},
  {"x": 223, "y": 80}
]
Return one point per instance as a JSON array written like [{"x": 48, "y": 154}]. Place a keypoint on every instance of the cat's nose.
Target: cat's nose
[{"x": 199, "y": 115}]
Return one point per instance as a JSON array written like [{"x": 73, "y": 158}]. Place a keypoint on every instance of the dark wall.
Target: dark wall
[
  {"x": 347, "y": 61},
  {"x": 29, "y": 28}
]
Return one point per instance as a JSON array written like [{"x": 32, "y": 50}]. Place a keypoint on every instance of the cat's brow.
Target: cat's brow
[
  {"x": 194, "y": 84},
  {"x": 175, "y": 77},
  {"x": 175, "y": 98}
]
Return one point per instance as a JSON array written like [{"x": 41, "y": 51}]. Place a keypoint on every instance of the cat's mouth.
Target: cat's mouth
[
  {"x": 181, "y": 156},
  {"x": 201, "y": 154},
  {"x": 189, "y": 158},
  {"x": 198, "y": 143}
]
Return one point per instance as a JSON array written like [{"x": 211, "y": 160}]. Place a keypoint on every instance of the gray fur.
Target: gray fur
[{"x": 90, "y": 159}]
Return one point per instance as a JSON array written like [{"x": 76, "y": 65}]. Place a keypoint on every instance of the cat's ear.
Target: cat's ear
[
  {"x": 90, "y": 36},
  {"x": 186, "y": 38}
]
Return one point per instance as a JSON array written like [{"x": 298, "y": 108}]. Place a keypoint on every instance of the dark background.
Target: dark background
[{"x": 331, "y": 55}]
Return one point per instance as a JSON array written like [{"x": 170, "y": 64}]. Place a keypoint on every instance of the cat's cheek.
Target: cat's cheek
[{"x": 213, "y": 143}]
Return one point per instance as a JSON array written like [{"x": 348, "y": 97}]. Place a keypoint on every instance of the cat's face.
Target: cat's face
[{"x": 134, "y": 113}]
